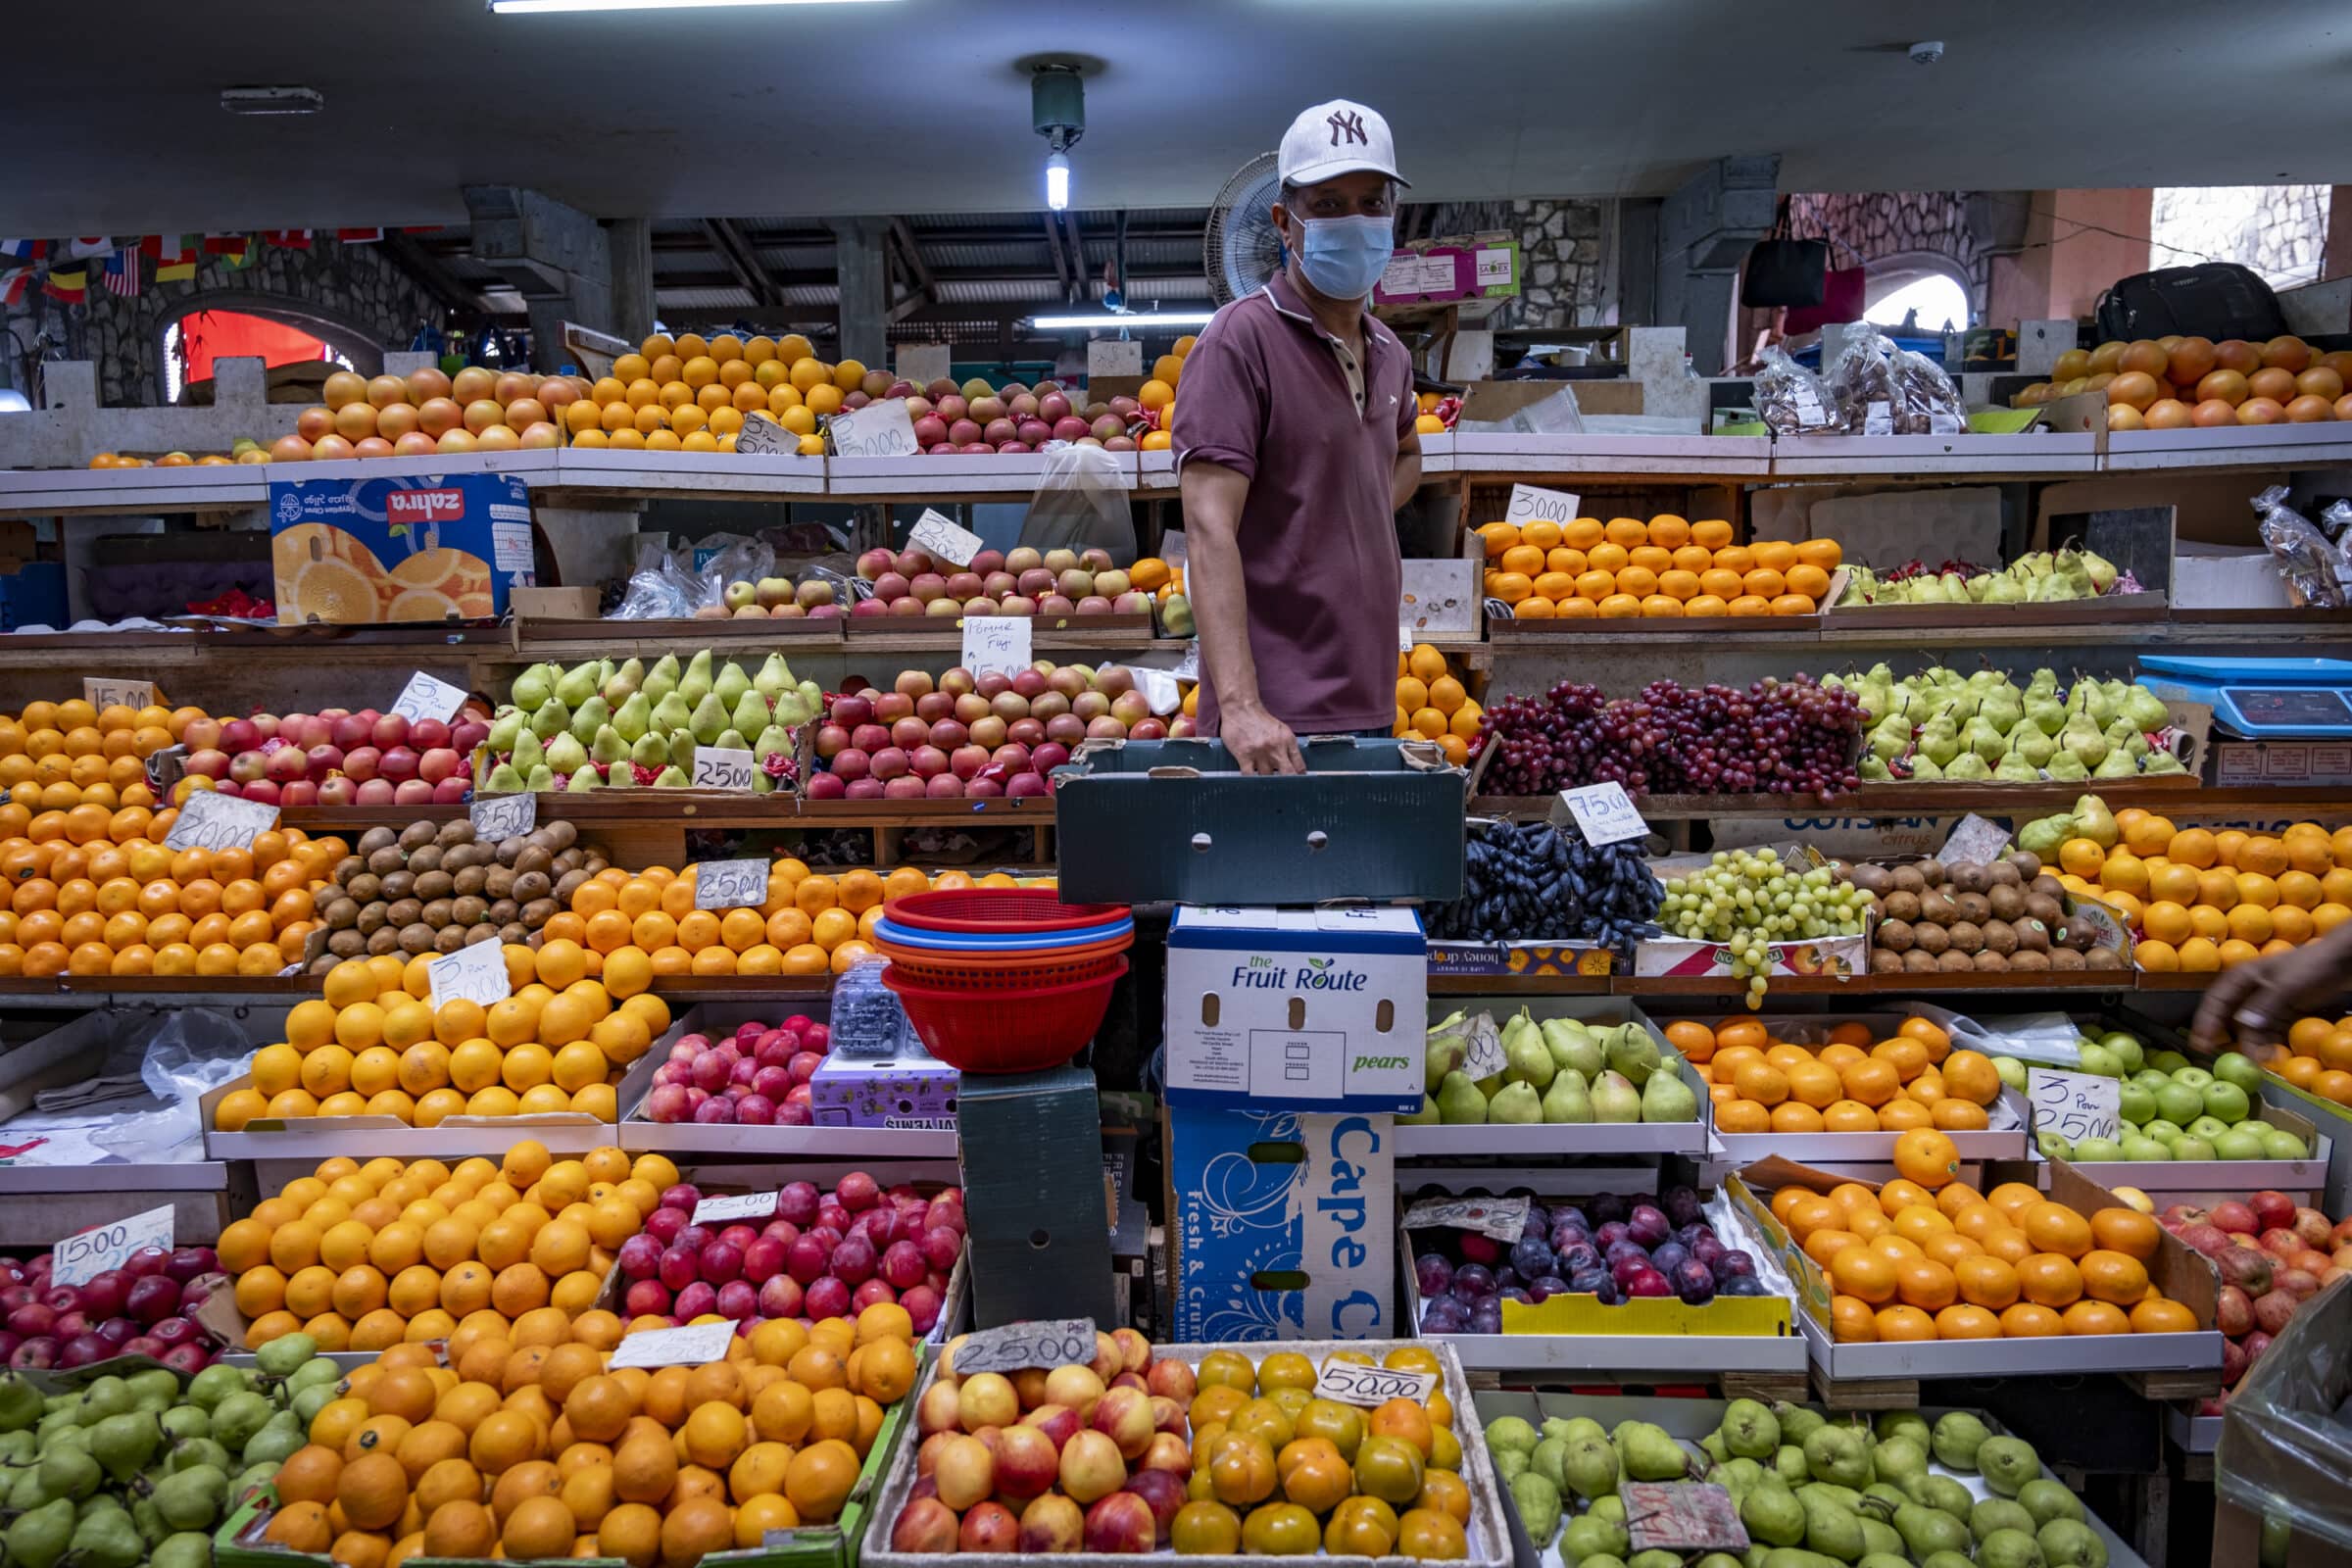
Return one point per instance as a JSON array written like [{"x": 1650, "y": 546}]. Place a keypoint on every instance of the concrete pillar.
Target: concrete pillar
[
  {"x": 865, "y": 288},
  {"x": 631, "y": 243},
  {"x": 1705, "y": 230},
  {"x": 2336, "y": 259},
  {"x": 556, "y": 256}
]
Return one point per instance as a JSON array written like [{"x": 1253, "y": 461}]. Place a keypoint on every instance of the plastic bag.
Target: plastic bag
[
  {"x": 192, "y": 1053},
  {"x": 2305, "y": 556},
  {"x": 1925, "y": 403},
  {"x": 2286, "y": 1438},
  {"x": 1081, "y": 504},
  {"x": 1790, "y": 399},
  {"x": 869, "y": 1020},
  {"x": 659, "y": 588},
  {"x": 1862, "y": 384},
  {"x": 1555, "y": 414}
]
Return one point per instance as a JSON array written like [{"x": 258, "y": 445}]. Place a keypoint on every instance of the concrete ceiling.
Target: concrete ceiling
[{"x": 917, "y": 105}]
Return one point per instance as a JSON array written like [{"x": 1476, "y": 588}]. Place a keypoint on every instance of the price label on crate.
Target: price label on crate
[
  {"x": 730, "y": 884},
  {"x": 1681, "y": 1516},
  {"x": 1533, "y": 503},
  {"x": 1017, "y": 1346},
  {"x": 209, "y": 820},
  {"x": 1404, "y": 638},
  {"x": 762, "y": 436},
  {"x": 695, "y": 1344},
  {"x": 882, "y": 429},
  {"x": 1353, "y": 1383},
  {"x": 743, "y": 1206},
  {"x": 503, "y": 816},
  {"x": 105, "y": 694},
  {"x": 1503, "y": 1218},
  {"x": 423, "y": 697},
  {"x": 76, "y": 1258},
  {"x": 939, "y": 537},
  {"x": 1974, "y": 842},
  {"x": 1605, "y": 814},
  {"x": 722, "y": 768},
  {"x": 476, "y": 973},
  {"x": 996, "y": 645},
  {"x": 1486, "y": 1057},
  {"x": 2074, "y": 1105}
]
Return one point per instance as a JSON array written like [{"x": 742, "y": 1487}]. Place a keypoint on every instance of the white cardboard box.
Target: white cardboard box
[{"x": 1304, "y": 1009}]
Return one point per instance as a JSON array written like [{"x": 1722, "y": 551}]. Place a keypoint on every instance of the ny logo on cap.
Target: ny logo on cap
[{"x": 1348, "y": 123}]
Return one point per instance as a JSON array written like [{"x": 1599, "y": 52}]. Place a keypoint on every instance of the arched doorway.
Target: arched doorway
[
  {"x": 278, "y": 329},
  {"x": 1928, "y": 288}
]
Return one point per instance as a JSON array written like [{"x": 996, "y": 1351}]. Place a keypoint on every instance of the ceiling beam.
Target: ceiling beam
[
  {"x": 741, "y": 260},
  {"x": 909, "y": 258},
  {"x": 426, "y": 272},
  {"x": 1061, "y": 266}
]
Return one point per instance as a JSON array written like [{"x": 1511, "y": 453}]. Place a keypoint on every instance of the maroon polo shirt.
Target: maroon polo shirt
[{"x": 1266, "y": 393}]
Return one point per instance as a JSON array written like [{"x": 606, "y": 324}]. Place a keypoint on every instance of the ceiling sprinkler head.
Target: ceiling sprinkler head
[{"x": 1927, "y": 54}]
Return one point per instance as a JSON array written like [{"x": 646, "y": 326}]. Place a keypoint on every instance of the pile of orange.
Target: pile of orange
[
  {"x": 1927, "y": 1257},
  {"x": 1848, "y": 1083},
  {"x": 1433, "y": 702},
  {"x": 2206, "y": 900},
  {"x": 2180, "y": 383},
  {"x": 55, "y": 756},
  {"x": 90, "y": 890},
  {"x": 1626, "y": 568},
  {"x": 525, "y": 1443},
  {"x": 2318, "y": 1059},
  {"x": 690, "y": 395},
  {"x": 365, "y": 1256},
  {"x": 376, "y": 1045},
  {"x": 638, "y": 926}
]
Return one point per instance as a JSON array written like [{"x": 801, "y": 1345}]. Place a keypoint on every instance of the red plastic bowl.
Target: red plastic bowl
[
  {"x": 932, "y": 972},
  {"x": 1007, "y": 1031},
  {"x": 998, "y": 911}
]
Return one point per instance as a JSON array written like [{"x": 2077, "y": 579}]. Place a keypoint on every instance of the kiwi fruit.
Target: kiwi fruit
[
  {"x": 367, "y": 887},
  {"x": 1966, "y": 878},
  {"x": 383, "y": 940},
  {"x": 2066, "y": 958},
  {"x": 1966, "y": 936},
  {"x": 567, "y": 860},
  {"x": 418, "y": 834},
  {"x": 1871, "y": 879},
  {"x": 2027, "y": 863},
  {"x": 345, "y": 868},
  {"x": 534, "y": 858},
  {"x": 2002, "y": 874},
  {"x": 2045, "y": 908},
  {"x": 457, "y": 830},
  {"x": 399, "y": 885},
  {"x": 448, "y": 939},
  {"x": 559, "y": 834},
  {"x": 1900, "y": 906},
  {"x": 371, "y": 918},
  {"x": 1906, "y": 878},
  {"x": 1999, "y": 937},
  {"x": 387, "y": 860},
  {"x": 2079, "y": 936},
  {"x": 1934, "y": 870},
  {"x": 570, "y": 883},
  {"x": 377, "y": 838},
  {"x": 471, "y": 880},
  {"x": 596, "y": 864},
  {"x": 1930, "y": 939},
  {"x": 2006, "y": 900},
  {"x": 504, "y": 912},
  {"x": 1937, "y": 909},
  {"x": 2031, "y": 935},
  {"x": 469, "y": 909},
  {"x": 1974, "y": 906},
  {"x": 1895, "y": 935},
  {"x": 1954, "y": 961},
  {"x": 436, "y": 912},
  {"x": 346, "y": 943},
  {"x": 403, "y": 911},
  {"x": 2030, "y": 958},
  {"x": 426, "y": 858},
  {"x": 537, "y": 914},
  {"x": 508, "y": 850},
  {"x": 1990, "y": 962},
  {"x": 531, "y": 886},
  {"x": 499, "y": 881},
  {"x": 2103, "y": 958},
  {"x": 1883, "y": 963},
  {"x": 2048, "y": 886},
  {"x": 512, "y": 932},
  {"x": 1918, "y": 963},
  {"x": 341, "y": 914},
  {"x": 416, "y": 938}
]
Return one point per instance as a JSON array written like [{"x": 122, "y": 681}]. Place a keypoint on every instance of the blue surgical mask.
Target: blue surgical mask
[{"x": 1343, "y": 257}]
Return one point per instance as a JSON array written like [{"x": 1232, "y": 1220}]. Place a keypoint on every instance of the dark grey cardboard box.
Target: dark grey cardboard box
[
  {"x": 1144, "y": 821},
  {"x": 1039, "y": 1243}
]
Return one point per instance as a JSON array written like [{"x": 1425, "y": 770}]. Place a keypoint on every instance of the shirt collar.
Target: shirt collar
[{"x": 1286, "y": 301}]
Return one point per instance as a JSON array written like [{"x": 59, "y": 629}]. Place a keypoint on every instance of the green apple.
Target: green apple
[
  {"x": 2168, "y": 1061},
  {"x": 2137, "y": 1101},
  {"x": 2186, "y": 1148},
  {"x": 2099, "y": 1060},
  {"x": 2091, "y": 1149},
  {"x": 2012, "y": 1072},
  {"x": 2179, "y": 1103},
  {"x": 2237, "y": 1067},
  {"x": 2164, "y": 1132},
  {"x": 2237, "y": 1144},
  {"x": 2195, "y": 1077},
  {"x": 2053, "y": 1147},
  {"x": 2226, "y": 1101},
  {"x": 2126, "y": 1048},
  {"x": 2278, "y": 1142},
  {"x": 2152, "y": 1078},
  {"x": 2137, "y": 1149},
  {"x": 2208, "y": 1128}
]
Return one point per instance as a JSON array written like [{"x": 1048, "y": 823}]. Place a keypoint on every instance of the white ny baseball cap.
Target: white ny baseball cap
[{"x": 1336, "y": 139}]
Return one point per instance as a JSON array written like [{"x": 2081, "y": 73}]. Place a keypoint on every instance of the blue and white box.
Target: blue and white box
[
  {"x": 1285, "y": 1225},
  {"x": 1304, "y": 1009}
]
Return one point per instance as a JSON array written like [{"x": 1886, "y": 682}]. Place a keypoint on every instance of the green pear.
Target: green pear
[
  {"x": 1771, "y": 1514},
  {"x": 186, "y": 1549},
  {"x": 502, "y": 780},
  {"x": 1666, "y": 1098},
  {"x": 794, "y": 709},
  {"x": 620, "y": 776},
  {"x": 1573, "y": 1047},
  {"x": 1516, "y": 1105},
  {"x": 709, "y": 720},
  {"x": 750, "y": 715},
  {"x": 731, "y": 740},
  {"x": 1615, "y": 1098},
  {"x": 107, "y": 1539},
  {"x": 529, "y": 754},
  {"x": 633, "y": 717},
  {"x": 533, "y": 688},
  {"x": 1633, "y": 1054},
  {"x": 681, "y": 751},
  {"x": 589, "y": 717},
  {"x": 566, "y": 755},
  {"x": 652, "y": 750},
  {"x": 503, "y": 731},
  {"x": 1749, "y": 1430},
  {"x": 551, "y": 721},
  {"x": 1588, "y": 1465},
  {"x": 123, "y": 1443},
  {"x": 1525, "y": 1060},
  {"x": 2093, "y": 821},
  {"x": 610, "y": 747},
  {"x": 624, "y": 682},
  {"x": 672, "y": 779},
  {"x": 1425, "y": 1116},
  {"x": 1459, "y": 1103},
  {"x": 19, "y": 1403},
  {"x": 193, "y": 1498},
  {"x": 731, "y": 684},
  {"x": 774, "y": 680},
  {"x": 695, "y": 684},
  {"x": 40, "y": 1536},
  {"x": 671, "y": 711},
  {"x": 1567, "y": 1102},
  {"x": 577, "y": 684},
  {"x": 539, "y": 779}
]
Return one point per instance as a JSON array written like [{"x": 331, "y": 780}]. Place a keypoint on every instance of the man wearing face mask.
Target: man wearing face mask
[{"x": 1294, "y": 447}]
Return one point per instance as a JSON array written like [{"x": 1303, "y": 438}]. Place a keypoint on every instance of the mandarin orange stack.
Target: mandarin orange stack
[
  {"x": 2317, "y": 1059},
  {"x": 2205, "y": 900},
  {"x": 1850, "y": 1084},
  {"x": 55, "y": 756},
  {"x": 1927, "y": 1257},
  {"x": 1626, "y": 568}
]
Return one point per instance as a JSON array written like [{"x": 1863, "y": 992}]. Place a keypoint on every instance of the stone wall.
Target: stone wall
[
  {"x": 351, "y": 296},
  {"x": 2278, "y": 231},
  {"x": 1562, "y": 253},
  {"x": 1878, "y": 224}
]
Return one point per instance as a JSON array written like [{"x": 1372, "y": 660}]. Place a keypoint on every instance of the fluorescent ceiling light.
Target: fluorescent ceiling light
[
  {"x": 1057, "y": 182},
  {"x": 520, "y": 6},
  {"x": 1109, "y": 318}
]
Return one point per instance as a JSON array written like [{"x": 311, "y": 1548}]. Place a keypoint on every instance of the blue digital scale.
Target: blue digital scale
[{"x": 2260, "y": 698}]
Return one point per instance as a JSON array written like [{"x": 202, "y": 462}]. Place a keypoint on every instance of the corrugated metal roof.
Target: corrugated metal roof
[{"x": 703, "y": 299}]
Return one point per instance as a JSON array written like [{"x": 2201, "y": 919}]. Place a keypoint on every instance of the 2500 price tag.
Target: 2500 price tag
[
  {"x": 1017, "y": 1346},
  {"x": 1353, "y": 1383}
]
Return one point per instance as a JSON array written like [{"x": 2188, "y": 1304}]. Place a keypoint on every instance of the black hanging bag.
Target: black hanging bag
[{"x": 2214, "y": 300}]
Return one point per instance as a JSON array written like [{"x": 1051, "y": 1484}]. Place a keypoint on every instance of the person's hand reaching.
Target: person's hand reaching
[
  {"x": 2254, "y": 1004},
  {"x": 1258, "y": 741}
]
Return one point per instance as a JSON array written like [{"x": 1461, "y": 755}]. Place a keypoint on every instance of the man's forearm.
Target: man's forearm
[
  {"x": 1219, "y": 593},
  {"x": 1406, "y": 478}
]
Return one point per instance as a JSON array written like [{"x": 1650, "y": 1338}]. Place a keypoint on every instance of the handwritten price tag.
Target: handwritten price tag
[
  {"x": 722, "y": 768},
  {"x": 1353, "y": 1383},
  {"x": 476, "y": 973},
  {"x": 423, "y": 697},
  {"x": 743, "y": 1206},
  {"x": 212, "y": 821},
  {"x": 1503, "y": 1218},
  {"x": 77, "y": 1259},
  {"x": 1485, "y": 1058},
  {"x": 1017, "y": 1346},
  {"x": 695, "y": 1344},
  {"x": 1973, "y": 842},
  {"x": 882, "y": 429},
  {"x": 762, "y": 436},
  {"x": 503, "y": 816},
  {"x": 1605, "y": 814},
  {"x": 1681, "y": 1516},
  {"x": 730, "y": 884},
  {"x": 2074, "y": 1105},
  {"x": 105, "y": 694},
  {"x": 996, "y": 645},
  {"x": 938, "y": 538},
  {"x": 1532, "y": 502}
]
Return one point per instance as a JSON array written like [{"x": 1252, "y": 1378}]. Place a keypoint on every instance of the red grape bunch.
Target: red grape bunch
[{"x": 1774, "y": 737}]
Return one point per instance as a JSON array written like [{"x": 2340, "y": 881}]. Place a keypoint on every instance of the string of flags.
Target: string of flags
[{"x": 63, "y": 269}]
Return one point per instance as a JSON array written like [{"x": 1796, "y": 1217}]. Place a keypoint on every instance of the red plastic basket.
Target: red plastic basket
[
  {"x": 935, "y": 972},
  {"x": 994, "y": 911},
  {"x": 1007, "y": 1031}
]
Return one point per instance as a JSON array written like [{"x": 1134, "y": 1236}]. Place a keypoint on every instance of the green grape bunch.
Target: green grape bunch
[{"x": 1747, "y": 899}]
